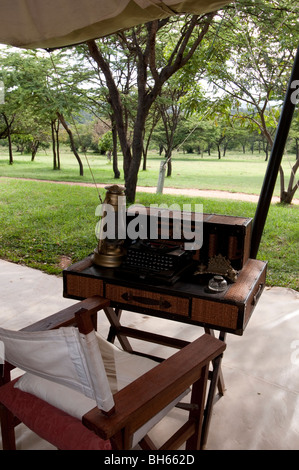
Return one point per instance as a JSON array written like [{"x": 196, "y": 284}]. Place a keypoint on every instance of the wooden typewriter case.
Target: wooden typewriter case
[
  {"x": 223, "y": 235},
  {"x": 188, "y": 300}
]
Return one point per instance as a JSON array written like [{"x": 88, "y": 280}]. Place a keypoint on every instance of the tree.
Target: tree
[
  {"x": 293, "y": 185},
  {"x": 294, "y": 134},
  {"x": 143, "y": 44},
  {"x": 151, "y": 124},
  {"x": 15, "y": 99},
  {"x": 6, "y": 123},
  {"x": 36, "y": 86},
  {"x": 60, "y": 98},
  {"x": 263, "y": 38},
  {"x": 106, "y": 143},
  {"x": 200, "y": 135},
  {"x": 34, "y": 135},
  {"x": 170, "y": 110},
  {"x": 96, "y": 94}
]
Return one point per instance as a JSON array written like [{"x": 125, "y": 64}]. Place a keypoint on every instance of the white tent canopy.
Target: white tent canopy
[{"x": 58, "y": 23}]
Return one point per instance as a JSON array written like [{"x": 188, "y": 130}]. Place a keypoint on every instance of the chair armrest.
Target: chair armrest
[
  {"x": 157, "y": 388},
  {"x": 66, "y": 317}
]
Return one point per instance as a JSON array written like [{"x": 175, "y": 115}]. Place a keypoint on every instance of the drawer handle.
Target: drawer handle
[
  {"x": 257, "y": 295},
  {"x": 128, "y": 297}
]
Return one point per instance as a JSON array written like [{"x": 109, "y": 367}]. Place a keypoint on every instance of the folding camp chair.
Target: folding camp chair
[{"x": 81, "y": 392}]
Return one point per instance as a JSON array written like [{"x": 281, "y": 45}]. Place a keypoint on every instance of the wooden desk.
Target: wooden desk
[{"x": 186, "y": 301}]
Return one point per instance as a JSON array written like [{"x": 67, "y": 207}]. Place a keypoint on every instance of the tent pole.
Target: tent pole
[{"x": 275, "y": 158}]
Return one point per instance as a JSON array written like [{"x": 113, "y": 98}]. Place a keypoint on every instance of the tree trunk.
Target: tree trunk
[
  {"x": 144, "y": 160},
  {"x": 131, "y": 181},
  {"x": 155, "y": 120},
  {"x": 168, "y": 162},
  {"x": 219, "y": 151},
  {"x": 161, "y": 178},
  {"x": 116, "y": 104},
  {"x": 10, "y": 148},
  {"x": 145, "y": 149},
  {"x": 73, "y": 146},
  {"x": 169, "y": 167},
  {"x": 54, "y": 146},
  {"x": 137, "y": 146},
  {"x": 34, "y": 149},
  {"x": 9, "y": 139},
  {"x": 287, "y": 196},
  {"x": 291, "y": 187},
  {"x": 57, "y": 144},
  {"x": 114, "y": 154},
  {"x": 266, "y": 152}
]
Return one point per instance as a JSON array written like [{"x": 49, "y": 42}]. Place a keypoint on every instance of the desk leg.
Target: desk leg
[
  {"x": 210, "y": 402},
  {"x": 220, "y": 384},
  {"x": 115, "y": 327},
  {"x": 216, "y": 381}
]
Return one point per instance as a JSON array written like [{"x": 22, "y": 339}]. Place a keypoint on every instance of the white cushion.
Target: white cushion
[
  {"x": 63, "y": 356},
  {"x": 72, "y": 402},
  {"x": 121, "y": 367}
]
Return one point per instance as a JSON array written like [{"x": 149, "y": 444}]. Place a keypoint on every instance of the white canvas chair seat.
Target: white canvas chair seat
[
  {"x": 75, "y": 372},
  {"x": 63, "y": 356}
]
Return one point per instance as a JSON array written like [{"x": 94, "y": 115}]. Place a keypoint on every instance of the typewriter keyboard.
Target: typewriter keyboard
[{"x": 146, "y": 260}]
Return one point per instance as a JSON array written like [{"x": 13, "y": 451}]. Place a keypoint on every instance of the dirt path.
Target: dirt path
[{"x": 175, "y": 191}]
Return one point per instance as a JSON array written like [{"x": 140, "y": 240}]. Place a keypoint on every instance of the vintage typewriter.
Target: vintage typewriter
[
  {"x": 225, "y": 250},
  {"x": 155, "y": 262}
]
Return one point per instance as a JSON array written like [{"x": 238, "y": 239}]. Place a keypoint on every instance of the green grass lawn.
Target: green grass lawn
[
  {"x": 235, "y": 172},
  {"x": 40, "y": 223}
]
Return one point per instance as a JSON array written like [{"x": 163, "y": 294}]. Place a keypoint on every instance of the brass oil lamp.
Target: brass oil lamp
[{"x": 110, "y": 251}]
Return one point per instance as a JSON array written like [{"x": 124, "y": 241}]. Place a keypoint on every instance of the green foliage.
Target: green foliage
[
  {"x": 226, "y": 96},
  {"x": 249, "y": 45},
  {"x": 105, "y": 143},
  {"x": 42, "y": 222},
  {"x": 236, "y": 172},
  {"x": 252, "y": 59}
]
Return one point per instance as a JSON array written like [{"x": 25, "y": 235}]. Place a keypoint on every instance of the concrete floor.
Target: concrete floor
[{"x": 260, "y": 409}]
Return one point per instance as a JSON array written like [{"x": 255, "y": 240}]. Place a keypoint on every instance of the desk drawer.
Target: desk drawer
[
  {"x": 82, "y": 286},
  {"x": 216, "y": 313},
  {"x": 149, "y": 300}
]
